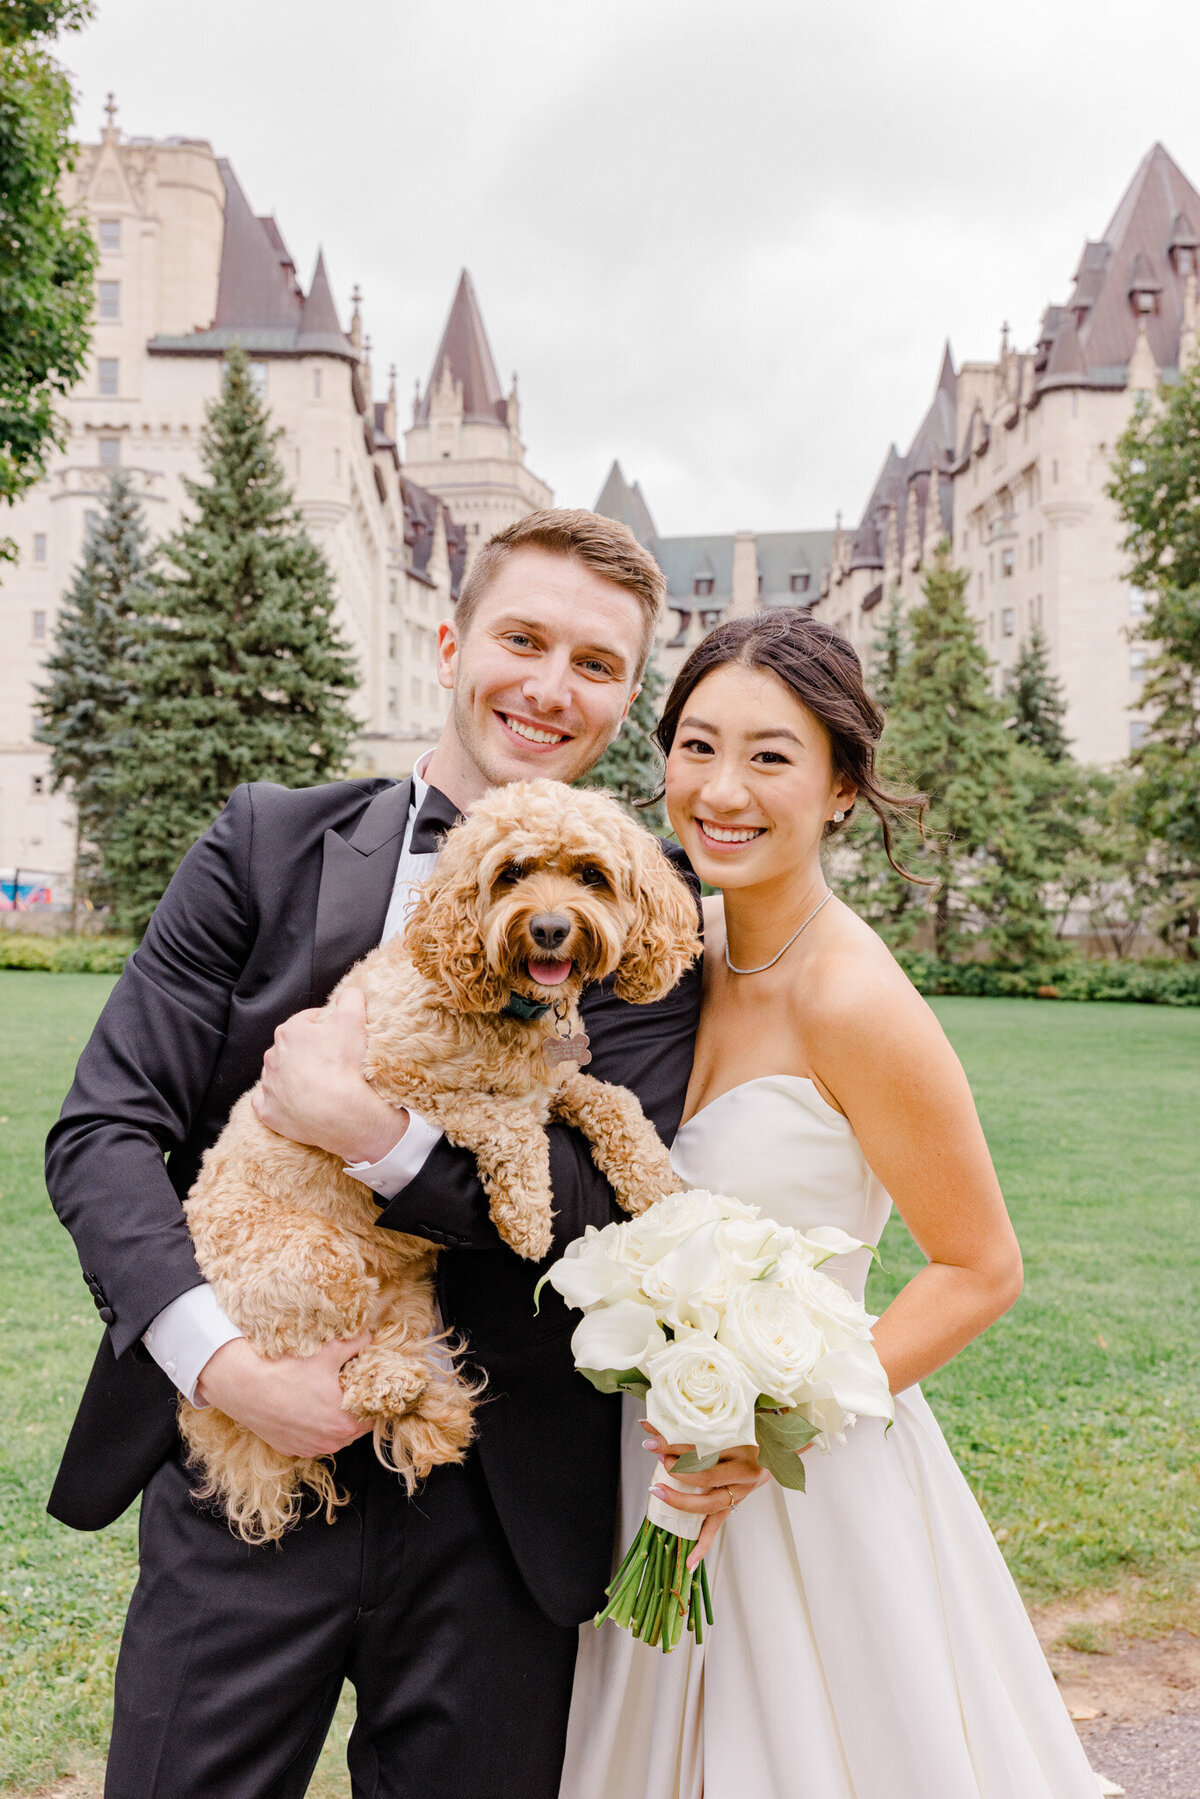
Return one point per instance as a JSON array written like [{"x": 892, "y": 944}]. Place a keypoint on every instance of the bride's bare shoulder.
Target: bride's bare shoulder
[{"x": 854, "y": 988}]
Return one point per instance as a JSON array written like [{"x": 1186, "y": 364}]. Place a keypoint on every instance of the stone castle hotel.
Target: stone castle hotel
[{"x": 1010, "y": 462}]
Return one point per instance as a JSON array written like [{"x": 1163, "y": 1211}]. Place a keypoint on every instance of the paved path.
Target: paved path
[{"x": 1151, "y": 1761}]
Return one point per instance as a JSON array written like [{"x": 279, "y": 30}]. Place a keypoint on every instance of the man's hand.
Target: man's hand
[
  {"x": 294, "y": 1404},
  {"x": 312, "y": 1088},
  {"x": 715, "y": 1491}
]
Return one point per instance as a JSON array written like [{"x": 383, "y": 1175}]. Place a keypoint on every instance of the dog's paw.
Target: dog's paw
[
  {"x": 383, "y": 1383},
  {"x": 528, "y": 1230}
]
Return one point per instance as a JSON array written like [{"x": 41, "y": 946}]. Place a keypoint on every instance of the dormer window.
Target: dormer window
[
  {"x": 798, "y": 581},
  {"x": 702, "y": 586},
  {"x": 1144, "y": 287}
]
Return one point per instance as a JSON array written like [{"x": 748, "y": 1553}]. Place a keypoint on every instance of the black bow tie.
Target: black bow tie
[{"x": 437, "y": 816}]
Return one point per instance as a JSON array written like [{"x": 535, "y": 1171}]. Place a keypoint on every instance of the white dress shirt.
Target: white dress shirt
[{"x": 190, "y": 1330}]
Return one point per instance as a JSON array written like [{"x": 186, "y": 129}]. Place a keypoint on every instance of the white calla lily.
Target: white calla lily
[{"x": 619, "y": 1336}]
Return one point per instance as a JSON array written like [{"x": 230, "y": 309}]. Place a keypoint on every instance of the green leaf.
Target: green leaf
[
  {"x": 613, "y": 1380},
  {"x": 691, "y": 1463},
  {"x": 781, "y": 1435}
]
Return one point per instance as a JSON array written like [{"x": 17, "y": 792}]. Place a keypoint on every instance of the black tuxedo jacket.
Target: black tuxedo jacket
[{"x": 263, "y": 917}]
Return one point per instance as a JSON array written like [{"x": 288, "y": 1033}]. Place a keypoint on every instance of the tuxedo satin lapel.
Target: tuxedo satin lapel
[{"x": 357, "y": 876}]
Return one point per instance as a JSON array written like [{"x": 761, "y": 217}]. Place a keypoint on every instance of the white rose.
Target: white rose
[
  {"x": 771, "y": 1333},
  {"x": 700, "y": 1394},
  {"x": 840, "y": 1317},
  {"x": 617, "y": 1337},
  {"x": 844, "y": 1385},
  {"x": 649, "y": 1237},
  {"x": 689, "y": 1286},
  {"x": 590, "y": 1271}
]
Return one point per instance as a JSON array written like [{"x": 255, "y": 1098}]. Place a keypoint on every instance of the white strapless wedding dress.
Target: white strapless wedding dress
[{"x": 869, "y": 1642}]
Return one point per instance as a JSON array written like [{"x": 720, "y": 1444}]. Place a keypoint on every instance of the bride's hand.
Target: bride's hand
[{"x": 715, "y": 1491}]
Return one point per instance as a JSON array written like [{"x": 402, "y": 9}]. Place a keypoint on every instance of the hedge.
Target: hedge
[
  {"x": 64, "y": 955},
  {"x": 1143, "y": 983}
]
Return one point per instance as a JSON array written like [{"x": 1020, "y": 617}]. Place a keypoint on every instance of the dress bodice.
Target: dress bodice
[{"x": 775, "y": 1143}]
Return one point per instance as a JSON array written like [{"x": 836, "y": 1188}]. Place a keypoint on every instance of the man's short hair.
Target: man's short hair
[{"x": 607, "y": 548}]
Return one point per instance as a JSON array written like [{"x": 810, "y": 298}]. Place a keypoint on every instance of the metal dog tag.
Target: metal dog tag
[{"x": 567, "y": 1049}]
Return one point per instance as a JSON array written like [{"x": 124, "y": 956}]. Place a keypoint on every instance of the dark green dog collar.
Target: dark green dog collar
[{"x": 525, "y": 1009}]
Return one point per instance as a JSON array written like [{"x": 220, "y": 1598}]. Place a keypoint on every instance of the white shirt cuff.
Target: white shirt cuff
[
  {"x": 392, "y": 1173},
  {"x": 186, "y": 1334}
]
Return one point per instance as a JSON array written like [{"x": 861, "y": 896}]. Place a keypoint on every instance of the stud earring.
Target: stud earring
[{"x": 838, "y": 817}]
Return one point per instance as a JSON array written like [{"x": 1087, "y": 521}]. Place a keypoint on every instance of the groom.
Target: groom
[{"x": 453, "y": 1614}]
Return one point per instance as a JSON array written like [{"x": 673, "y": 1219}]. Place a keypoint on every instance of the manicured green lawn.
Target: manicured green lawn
[{"x": 1076, "y": 1419}]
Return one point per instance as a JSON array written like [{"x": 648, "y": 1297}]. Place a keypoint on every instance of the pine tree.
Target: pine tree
[
  {"x": 1037, "y": 699},
  {"x": 888, "y": 651},
  {"x": 1156, "y": 484},
  {"x": 84, "y": 705},
  {"x": 631, "y": 766},
  {"x": 945, "y": 733},
  {"x": 242, "y": 674}
]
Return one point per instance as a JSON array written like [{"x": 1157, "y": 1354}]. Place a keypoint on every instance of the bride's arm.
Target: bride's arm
[{"x": 878, "y": 1049}]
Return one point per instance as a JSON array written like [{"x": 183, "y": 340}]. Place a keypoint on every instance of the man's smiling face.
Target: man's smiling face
[{"x": 543, "y": 674}]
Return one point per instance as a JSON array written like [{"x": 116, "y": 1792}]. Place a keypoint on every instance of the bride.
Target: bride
[{"x": 869, "y": 1642}]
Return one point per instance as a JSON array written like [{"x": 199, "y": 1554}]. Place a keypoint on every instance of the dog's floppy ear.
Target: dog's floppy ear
[
  {"x": 663, "y": 939},
  {"x": 444, "y": 934}
]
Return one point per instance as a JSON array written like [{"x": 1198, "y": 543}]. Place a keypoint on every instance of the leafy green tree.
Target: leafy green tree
[
  {"x": 84, "y": 705},
  {"x": 1156, "y": 485},
  {"x": 984, "y": 848},
  {"x": 631, "y": 766},
  {"x": 889, "y": 650},
  {"x": 1037, "y": 700},
  {"x": 47, "y": 257},
  {"x": 241, "y": 674}
]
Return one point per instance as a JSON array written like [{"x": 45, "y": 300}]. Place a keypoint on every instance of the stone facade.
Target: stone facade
[
  {"x": 185, "y": 270},
  {"x": 1021, "y": 450}
]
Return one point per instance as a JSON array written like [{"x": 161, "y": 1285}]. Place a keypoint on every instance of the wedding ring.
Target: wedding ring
[{"x": 732, "y": 1501}]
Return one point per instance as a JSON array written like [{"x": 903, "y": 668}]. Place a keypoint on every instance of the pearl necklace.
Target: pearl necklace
[{"x": 763, "y": 966}]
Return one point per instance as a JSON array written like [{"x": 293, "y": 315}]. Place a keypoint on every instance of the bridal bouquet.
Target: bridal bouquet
[{"x": 722, "y": 1322}]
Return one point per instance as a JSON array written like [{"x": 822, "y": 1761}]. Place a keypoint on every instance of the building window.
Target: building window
[
  {"x": 1054, "y": 470},
  {"x": 1006, "y": 565},
  {"x": 1137, "y": 664},
  {"x": 37, "y": 787},
  {"x": 39, "y": 627},
  {"x": 979, "y": 587},
  {"x": 966, "y": 541},
  {"x": 414, "y": 688},
  {"x": 108, "y": 377},
  {"x": 1007, "y": 621},
  {"x": 110, "y": 236},
  {"x": 258, "y": 379},
  {"x": 991, "y": 566},
  {"x": 316, "y": 384},
  {"x": 702, "y": 585},
  {"x": 799, "y": 581},
  {"x": 1137, "y": 602},
  {"x": 392, "y": 702},
  {"x": 392, "y": 592},
  {"x": 39, "y": 546},
  {"x": 1137, "y": 733},
  {"x": 1032, "y": 550},
  {"x": 391, "y": 646},
  {"x": 433, "y": 697},
  {"x": 110, "y": 452},
  {"x": 337, "y": 465},
  {"x": 110, "y": 299}
]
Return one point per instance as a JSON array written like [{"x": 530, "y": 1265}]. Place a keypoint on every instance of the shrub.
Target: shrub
[
  {"x": 1141, "y": 983},
  {"x": 64, "y": 955}
]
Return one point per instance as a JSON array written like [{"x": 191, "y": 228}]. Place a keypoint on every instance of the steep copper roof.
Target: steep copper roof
[
  {"x": 260, "y": 303},
  {"x": 1140, "y": 252},
  {"x": 465, "y": 350},
  {"x": 420, "y": 523},
  {"x": 921, "y": 470},
  {"x": 627, "y": 505}
]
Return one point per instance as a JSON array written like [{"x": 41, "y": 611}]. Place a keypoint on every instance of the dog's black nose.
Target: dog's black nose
[{"x": 549, "y": 929}]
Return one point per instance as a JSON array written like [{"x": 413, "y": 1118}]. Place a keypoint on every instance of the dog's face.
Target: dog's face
[{"x": 544, "y": 888}]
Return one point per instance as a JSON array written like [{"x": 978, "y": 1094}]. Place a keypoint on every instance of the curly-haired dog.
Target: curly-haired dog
[{"x": 540, "y": 890}]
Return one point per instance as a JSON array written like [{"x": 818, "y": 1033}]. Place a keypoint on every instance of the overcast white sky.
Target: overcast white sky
[{"x": 723, "y": 242}]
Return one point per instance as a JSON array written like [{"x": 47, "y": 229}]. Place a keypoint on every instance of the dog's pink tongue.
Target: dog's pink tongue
[{"x": 549, "y": 974}]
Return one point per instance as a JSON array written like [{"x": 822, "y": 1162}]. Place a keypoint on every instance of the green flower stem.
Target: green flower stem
[{"x": 654, "y": 1594}]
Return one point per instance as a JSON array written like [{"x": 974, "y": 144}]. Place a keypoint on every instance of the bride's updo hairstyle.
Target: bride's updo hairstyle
[{"x": 821, "y": 670}]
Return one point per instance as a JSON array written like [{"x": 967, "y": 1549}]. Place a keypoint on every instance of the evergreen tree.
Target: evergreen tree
[
  {"x": 945, "y": 733},
  {"x": 1037, "y": 700},
  {"x": 631, "y": 766},
  {"x": 888, "y": 651},
  {"x": 84, "y": 704},
  {"x": 47, "y": 257},
  {"x": 241, "y": 674},
  {"x": 1156, "y": 485}
]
